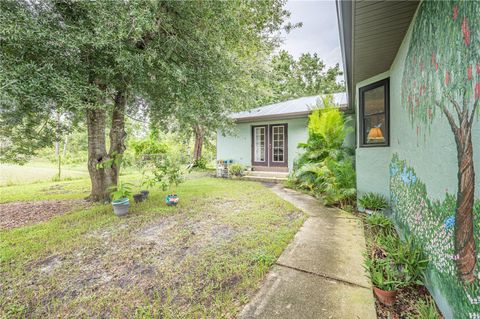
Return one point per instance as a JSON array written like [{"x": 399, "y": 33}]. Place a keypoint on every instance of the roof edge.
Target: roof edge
[
  {"x": 273, "y": 117},
  {"x": 345, "y": 30}
]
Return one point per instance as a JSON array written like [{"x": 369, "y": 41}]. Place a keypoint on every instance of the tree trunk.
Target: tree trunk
[
  {"x": 65, "y": 145},
  {"x": 97, "y": 154},
  {"x": 199, "y": 136},
  {"x": 464, "y": 238},
  {"x": 117, "y": 133},
  {"x": 57, "y": 146},
  {"x": 104, "y": 168}
]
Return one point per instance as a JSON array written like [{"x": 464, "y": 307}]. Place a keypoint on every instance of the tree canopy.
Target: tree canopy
[{"x": 306, "y": 76}]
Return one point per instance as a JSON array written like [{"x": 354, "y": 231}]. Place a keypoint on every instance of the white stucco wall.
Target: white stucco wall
[{"x": 238, "y": 146}]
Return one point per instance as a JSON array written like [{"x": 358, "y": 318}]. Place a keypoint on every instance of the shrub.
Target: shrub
[
  {"x": 235, "y": 169},
  {"x": 373, "y": 201},
  {"x": 326, "y": 166},
  {"x": 201, "y": 163}
]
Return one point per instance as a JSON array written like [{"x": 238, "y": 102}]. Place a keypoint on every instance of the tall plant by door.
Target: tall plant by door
[{"x": 326, "y": 166}]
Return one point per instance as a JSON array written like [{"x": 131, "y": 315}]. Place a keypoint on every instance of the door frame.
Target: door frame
[
  {"x": 284, "y": 163},
  {"x": 265, "y": 143},
  {"x": 269, "y": 146}
]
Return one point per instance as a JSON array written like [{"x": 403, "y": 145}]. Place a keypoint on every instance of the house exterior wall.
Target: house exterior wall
[
  {"x": 419, "y": 171},
  {"x": 238, "y": 145}
]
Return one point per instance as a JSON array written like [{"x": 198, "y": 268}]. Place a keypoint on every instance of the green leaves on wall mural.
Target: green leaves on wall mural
[
  {"x": 432, "y": 222},
  {"x": 442, "y": 79}
]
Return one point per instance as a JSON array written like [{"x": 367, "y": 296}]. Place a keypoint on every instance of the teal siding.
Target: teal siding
[{"x": 238, "y": 145}]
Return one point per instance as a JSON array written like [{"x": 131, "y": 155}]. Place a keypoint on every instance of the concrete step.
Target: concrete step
[
  {"x": 268, "y": 179},
  {"x": 267, "y": 174}
]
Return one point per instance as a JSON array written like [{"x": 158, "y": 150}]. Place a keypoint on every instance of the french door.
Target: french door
[{"x": 270, "y": 145}]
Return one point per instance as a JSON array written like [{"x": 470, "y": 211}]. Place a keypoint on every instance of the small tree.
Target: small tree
[{"x": 442, "y": 78}]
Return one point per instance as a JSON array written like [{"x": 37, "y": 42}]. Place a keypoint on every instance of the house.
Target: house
[
  {"x": 266, "y": 138},
  {"x": 412, "y": 71}
]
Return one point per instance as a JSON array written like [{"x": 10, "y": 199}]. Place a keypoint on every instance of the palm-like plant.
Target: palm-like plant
[{"x": 326, "y": 166}]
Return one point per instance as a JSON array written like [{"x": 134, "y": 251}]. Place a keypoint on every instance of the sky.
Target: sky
[{"x": 319, "y": 32}]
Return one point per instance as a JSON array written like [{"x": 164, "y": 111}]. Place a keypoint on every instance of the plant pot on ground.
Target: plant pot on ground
[
  {"x": 138, "y": 198},
  {"x": 120, "y": 201},
  {"x": 373, "y": 203},
  {"x": 386, "y": 279},
  {"x": 144, "y": 193},
  {"x": 120, "y": 206},
  {"x": 172, "y": 199}
]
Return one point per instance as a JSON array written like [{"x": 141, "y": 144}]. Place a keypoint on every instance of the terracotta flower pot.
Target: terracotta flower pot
[{"x": 386, "y": 297}]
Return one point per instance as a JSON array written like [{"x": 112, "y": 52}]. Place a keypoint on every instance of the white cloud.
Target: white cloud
[{"x": 319, "y": 32}]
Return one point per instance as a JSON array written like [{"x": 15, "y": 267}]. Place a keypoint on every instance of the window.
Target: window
[
  {"x": 374, "y": 114},
  {"x": 278, "y": 143},
  {"x": 259, "y": 137}
]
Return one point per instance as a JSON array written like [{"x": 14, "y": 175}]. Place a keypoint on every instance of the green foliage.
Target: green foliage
[
  {"x": 373, "y": 201},
  {"x": 179, "y": 62},
  {"x": 201, "y": 163},
  {"x": 380, "y": 224},
  {"x": 326, "y": 166},
  {"x": 165, "y": 170},
  {"x": 426, "y": 309},
  {"x": 236, "y": 169},
  {"x": 383, "y": 273},
  {"x": 306, "y": 76},
  {"x": 122, "y": 190},
  {"x": 406, "y": 258}
]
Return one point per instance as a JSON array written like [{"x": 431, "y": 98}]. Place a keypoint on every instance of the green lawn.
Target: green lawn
[
  {"x": 202, "y": 259},
  {"x": 37, "y": 171}
]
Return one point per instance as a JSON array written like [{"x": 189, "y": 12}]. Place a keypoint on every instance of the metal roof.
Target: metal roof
[{"x": 300, "y": 107}]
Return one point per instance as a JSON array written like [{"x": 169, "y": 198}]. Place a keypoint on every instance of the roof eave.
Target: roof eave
[
  {"x": 285, "y": 116},
  {"x": 345, "y": 29}
]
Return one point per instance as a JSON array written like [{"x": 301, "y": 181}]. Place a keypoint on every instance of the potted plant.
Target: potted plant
[
  {"x": 386, "y": 279},
  {"x": 138, "y": 198},
  {"x": 372, "y": 202},
  {"x": 119, "y": 195},
  {"x": 144, "y": 193},
  {"x": 235, "y": 170}
]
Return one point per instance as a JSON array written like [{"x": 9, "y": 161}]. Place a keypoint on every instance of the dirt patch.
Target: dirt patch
[{"x": 25, "y": 213}]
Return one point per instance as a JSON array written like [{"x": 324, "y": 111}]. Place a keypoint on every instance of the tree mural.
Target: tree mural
[{"x": 442, "y": 79}]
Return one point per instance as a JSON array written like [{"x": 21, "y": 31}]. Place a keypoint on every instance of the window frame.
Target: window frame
[{"x": 361, "y": 95}]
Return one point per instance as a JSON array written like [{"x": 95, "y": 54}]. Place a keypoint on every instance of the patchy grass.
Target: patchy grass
[{"x": 202, "y": 259}]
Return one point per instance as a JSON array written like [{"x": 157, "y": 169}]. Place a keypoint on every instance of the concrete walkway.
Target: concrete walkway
[{"x": 320, "y": 274}]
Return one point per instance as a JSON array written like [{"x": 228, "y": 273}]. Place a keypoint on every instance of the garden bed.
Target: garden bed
[
  {"x": 412, "y": 301},
  {"x": 19, "y": 214}
]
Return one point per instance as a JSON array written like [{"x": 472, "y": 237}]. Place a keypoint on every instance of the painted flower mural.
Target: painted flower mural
[
  {"x": 441, "y": 81},
  {"x": 433, "y": 223},
  {"x": 438, "y": 76}
]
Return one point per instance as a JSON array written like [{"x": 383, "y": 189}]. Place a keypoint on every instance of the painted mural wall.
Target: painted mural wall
[{"x": 436, "y": 81}]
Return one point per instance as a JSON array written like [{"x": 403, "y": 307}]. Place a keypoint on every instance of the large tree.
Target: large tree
[
  {"x": 442, "y": 79},
  {"x": 90, "y": 59}
]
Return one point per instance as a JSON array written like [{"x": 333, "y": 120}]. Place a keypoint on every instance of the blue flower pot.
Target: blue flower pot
[
  {"x": 172, "y": 200},
  {"x": 120, "y": 206}
]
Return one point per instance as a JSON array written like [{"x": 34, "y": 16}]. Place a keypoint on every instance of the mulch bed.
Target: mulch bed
[
  {"x": 19, "y": 214},
  {"x": 405, "y": 305}
]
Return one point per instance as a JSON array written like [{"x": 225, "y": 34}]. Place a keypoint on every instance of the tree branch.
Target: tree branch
[
  {"x": 472, "y": 116},
  {"x": 449, "y": 116},
  {"x": 457, "y": 107}
]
